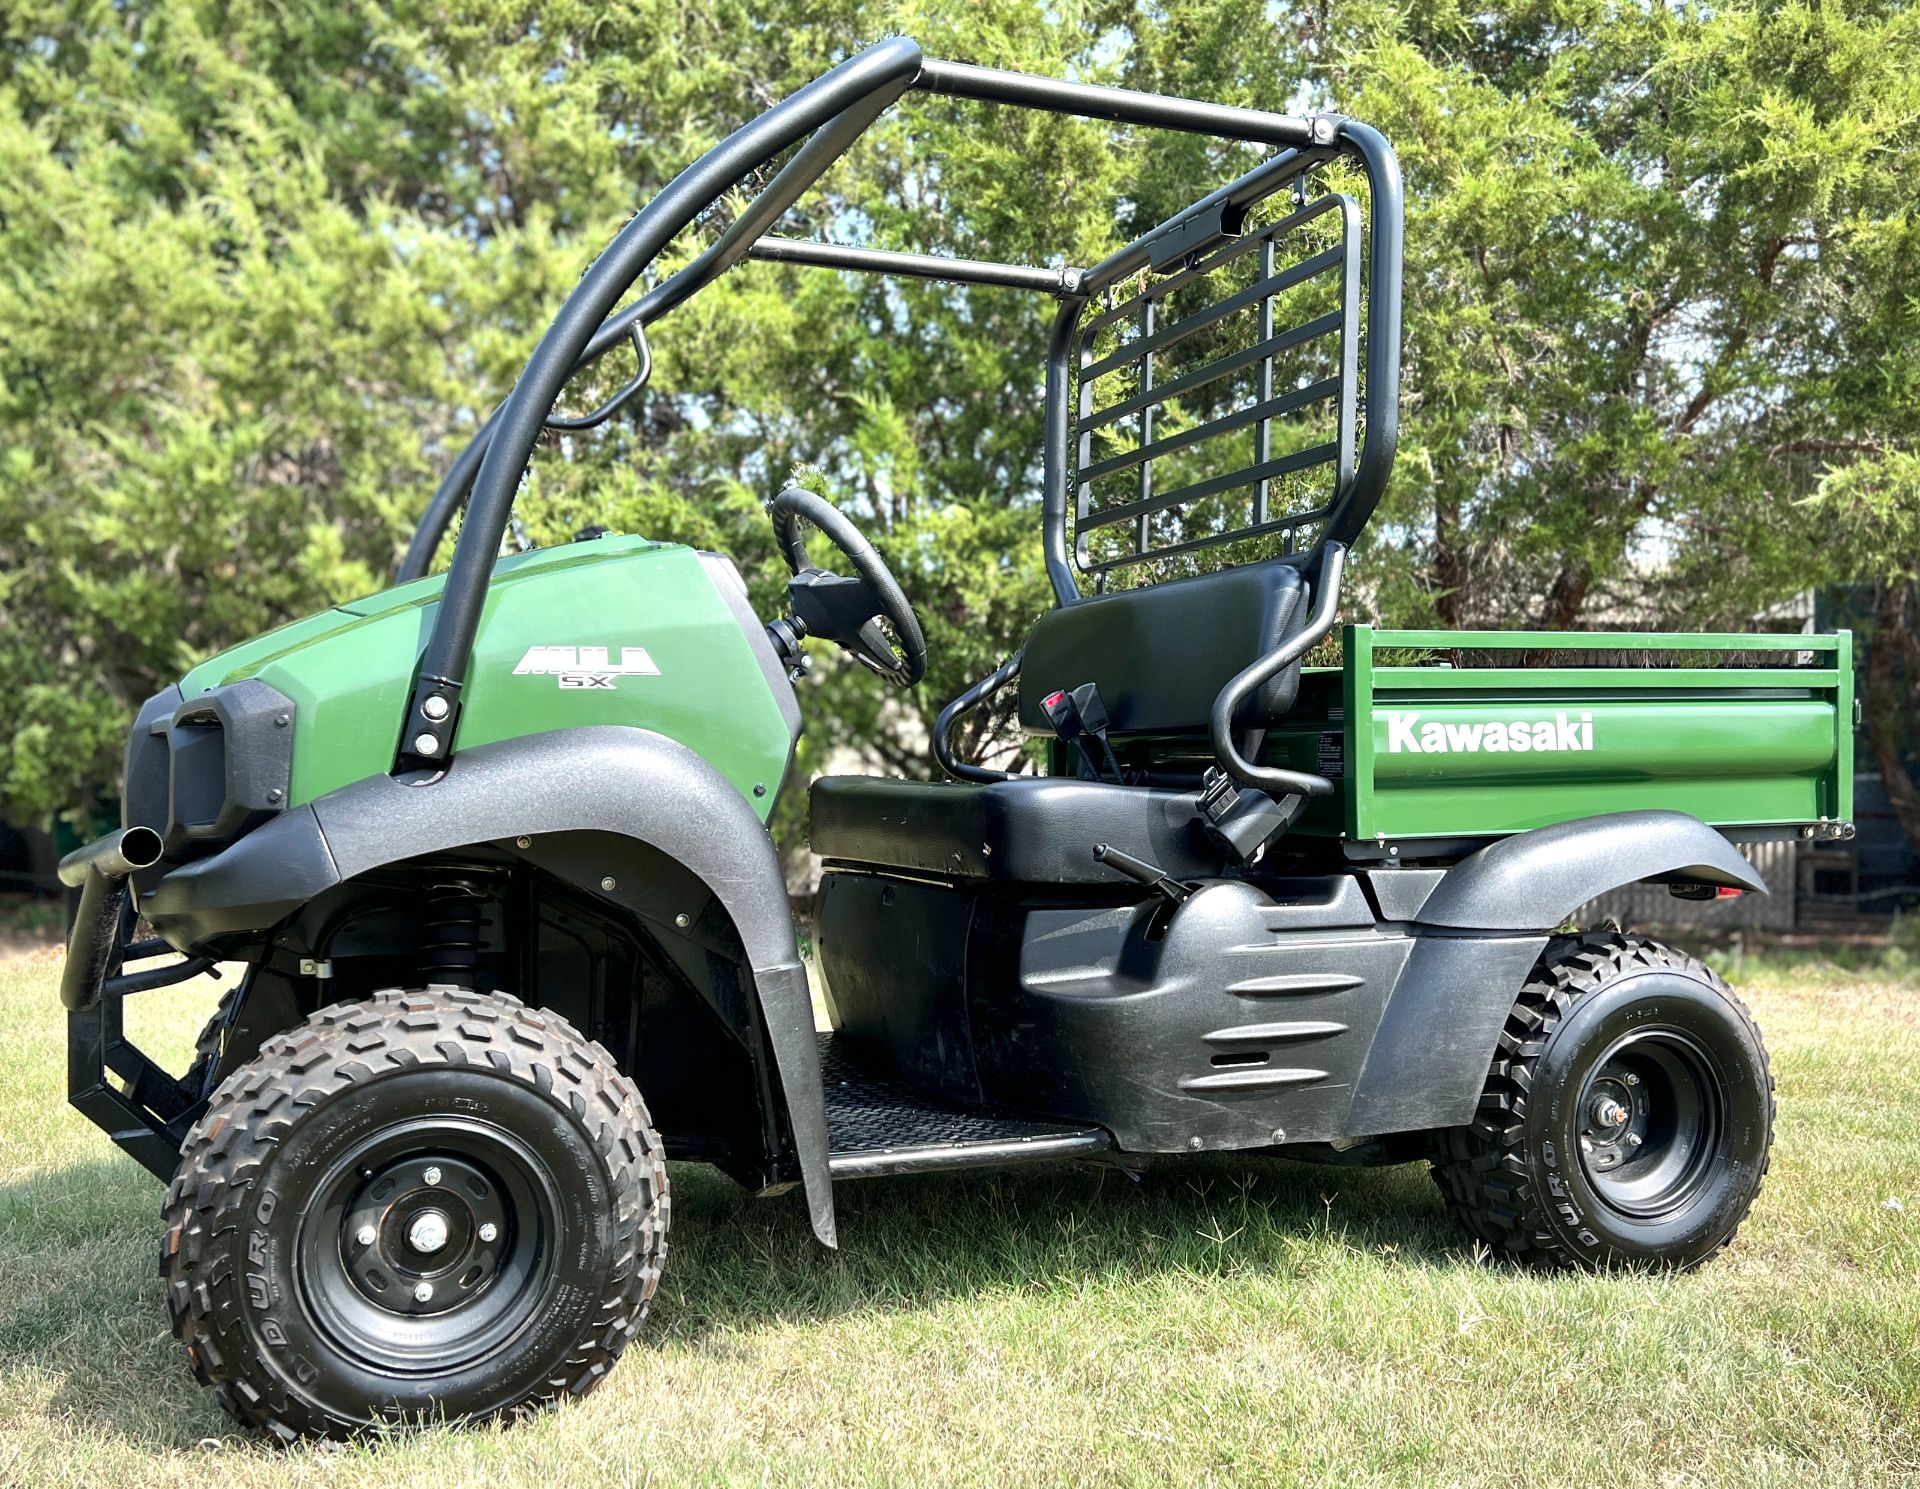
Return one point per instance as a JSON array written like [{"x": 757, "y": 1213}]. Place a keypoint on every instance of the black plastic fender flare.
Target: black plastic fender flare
[
  {"x": 1534, "y": 880},
  {"x": 1482, "y": 927},
  {"x": 611, "y": 779}
]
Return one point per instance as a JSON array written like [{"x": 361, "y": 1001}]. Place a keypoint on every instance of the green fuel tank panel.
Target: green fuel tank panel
[{"x": 616, "y": 630}]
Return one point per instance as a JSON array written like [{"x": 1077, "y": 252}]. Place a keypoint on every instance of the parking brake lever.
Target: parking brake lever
[{"x": 1151, "y": 875}]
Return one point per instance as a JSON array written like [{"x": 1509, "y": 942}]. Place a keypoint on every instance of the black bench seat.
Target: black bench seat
[{"x": 1031, "y": 829}]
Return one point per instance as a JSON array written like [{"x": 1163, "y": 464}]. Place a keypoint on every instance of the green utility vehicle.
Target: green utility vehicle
[{"x": 491, "y": 846}]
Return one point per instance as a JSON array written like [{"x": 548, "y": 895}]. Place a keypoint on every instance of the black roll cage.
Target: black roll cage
[{"x": 828, "y": 115}]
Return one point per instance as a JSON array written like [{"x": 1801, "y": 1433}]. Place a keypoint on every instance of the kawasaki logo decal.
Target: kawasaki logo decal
[
  {"x": 585, "y": 666},
  {"x": 1406, "y": 734}
]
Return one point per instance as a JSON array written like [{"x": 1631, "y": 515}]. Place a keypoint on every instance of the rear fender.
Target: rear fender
[
  {"x": 1533, "y": 881},
  {"x": 1482, "y": 928},
  {"x": 605, "y": 780}
]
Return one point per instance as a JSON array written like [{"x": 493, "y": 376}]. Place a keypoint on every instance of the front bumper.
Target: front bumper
[{"x": 149, "y": 1111}]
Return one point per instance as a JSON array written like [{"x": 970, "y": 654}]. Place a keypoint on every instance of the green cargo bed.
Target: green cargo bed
[{"x": 1451, "y": 735}]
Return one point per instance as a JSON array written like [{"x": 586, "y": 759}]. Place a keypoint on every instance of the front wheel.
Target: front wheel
[
  {"x": 1627, "y": 1118},
  {"x": 433, "y": 1204}
]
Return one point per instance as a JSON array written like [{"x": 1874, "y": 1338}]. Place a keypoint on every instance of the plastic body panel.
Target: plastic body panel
[
  {"x": 715, "y": 687},
  {"x": 1341, "y": 1006},
  {"x": 1535, "y": 880},
  {"x": 897, "y": 992},
  {"x": 645, "y": 796},
  {"x": 1025, "y": 830},
  {"x": 1239, "y": 1016},
  {"x": 1427, "y": 1065},
  {"x": 1241, "y": 1023}
]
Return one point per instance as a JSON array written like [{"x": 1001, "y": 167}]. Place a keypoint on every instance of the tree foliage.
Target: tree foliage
[{"x": 264, "y": 266}]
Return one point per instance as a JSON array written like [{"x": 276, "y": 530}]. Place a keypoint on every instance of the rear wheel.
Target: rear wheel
[
  {"x": 1627, "y": 1118},
  {"x": 434, "y": 1204}
]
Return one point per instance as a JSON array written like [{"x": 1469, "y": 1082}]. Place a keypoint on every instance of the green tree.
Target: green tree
[{"x": 266, "y": 265}]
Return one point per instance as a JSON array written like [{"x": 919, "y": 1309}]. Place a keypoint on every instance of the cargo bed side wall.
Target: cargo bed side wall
[{"x": 1441, "y": 752}]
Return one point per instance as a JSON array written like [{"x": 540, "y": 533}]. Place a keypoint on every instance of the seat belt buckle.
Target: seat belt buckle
[
  {"x": 1062, "y": 715},
  {"x": 1077, "y": 716}
]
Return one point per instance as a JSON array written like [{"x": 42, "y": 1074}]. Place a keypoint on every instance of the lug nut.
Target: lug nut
[
  {"x": 1634, "y": 1140},
  {"x": 431, "y": 1176},
  {"x": 489, "y": 1231},
  {"x": 423, "y": 1293},
  {"x": 366, "y": 1235}
]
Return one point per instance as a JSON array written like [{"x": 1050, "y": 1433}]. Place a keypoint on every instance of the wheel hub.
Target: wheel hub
[
  {"x": 428, "y": 1231},
  {"x": 1650, "y": 1122},
  {"x": 1608, "y": 1114},
  {"x": 1617, "y": 1115},
  {"x": 422, "y": 1235}
]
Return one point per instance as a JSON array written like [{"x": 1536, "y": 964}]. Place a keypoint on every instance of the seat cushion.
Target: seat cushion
[
  {"x": 1032, "y": 829},
  {"x": 1162, "y": 654}
]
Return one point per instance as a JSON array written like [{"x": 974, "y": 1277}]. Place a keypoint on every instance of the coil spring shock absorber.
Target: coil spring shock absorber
[{"x": 452, "y": 930}]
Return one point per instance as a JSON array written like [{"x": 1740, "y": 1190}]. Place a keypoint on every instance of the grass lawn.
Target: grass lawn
[{"x": 1223, "y": 1322}]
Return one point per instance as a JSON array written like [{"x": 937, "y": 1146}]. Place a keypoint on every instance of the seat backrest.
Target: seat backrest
[{"x": 1161, "y": 654}]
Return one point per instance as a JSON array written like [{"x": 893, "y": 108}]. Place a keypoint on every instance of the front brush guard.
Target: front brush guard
[{"x": 149, "y": 1113}]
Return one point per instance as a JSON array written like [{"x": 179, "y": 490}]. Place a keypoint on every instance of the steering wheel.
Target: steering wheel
[{"x": 848, "y": 612}]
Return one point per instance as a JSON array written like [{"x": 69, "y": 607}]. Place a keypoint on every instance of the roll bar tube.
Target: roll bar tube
[
  {"x": 1056, "y": 463},
  {"x": 448, "y": 497},
  {"x": 862, "y": 86},
  {"x": 1386, "y": 247},
  {"x": 919, "y": 266},
  {"x": 829, "y": 114},
  {"x": 1120, "y": 105}
]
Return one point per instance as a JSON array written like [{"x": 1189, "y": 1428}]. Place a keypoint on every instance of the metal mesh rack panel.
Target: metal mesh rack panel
[{"x": 1215, "y": 410}]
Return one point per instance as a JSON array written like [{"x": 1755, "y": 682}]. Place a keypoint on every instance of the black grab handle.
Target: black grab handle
[
  {"x": 1247, "y": 682},
  {"x": 992, "y": 683}
]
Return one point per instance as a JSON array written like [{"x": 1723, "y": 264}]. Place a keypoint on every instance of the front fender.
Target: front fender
[{"x": 603, "y": 778}]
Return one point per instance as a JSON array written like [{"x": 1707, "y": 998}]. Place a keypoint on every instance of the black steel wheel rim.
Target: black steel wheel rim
[
  {"x": 1652, "y": 1123},
  {"x": 431, "y": 1246}
]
